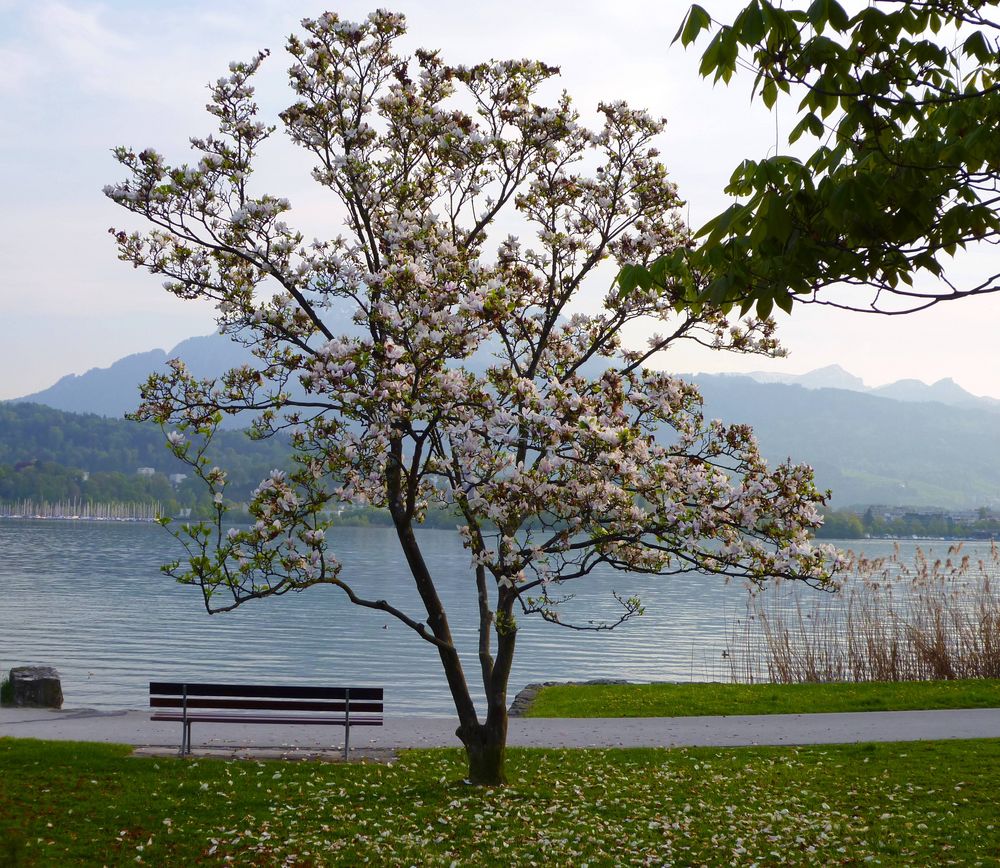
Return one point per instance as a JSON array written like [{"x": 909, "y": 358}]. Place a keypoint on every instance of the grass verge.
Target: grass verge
[
  {"x": 918, "y": 803},
  {"x": 685, "y": 700}
]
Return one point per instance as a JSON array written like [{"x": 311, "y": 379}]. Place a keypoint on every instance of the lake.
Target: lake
[{"x": 88, "y": 598}]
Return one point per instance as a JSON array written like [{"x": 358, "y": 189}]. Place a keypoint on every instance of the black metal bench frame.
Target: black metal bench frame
[{"x": 189, "y": 703}]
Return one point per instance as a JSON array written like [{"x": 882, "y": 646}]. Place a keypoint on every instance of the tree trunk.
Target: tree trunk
[
  {"x": 486, "y": 750},
  {"x": 486, "y": 744}
]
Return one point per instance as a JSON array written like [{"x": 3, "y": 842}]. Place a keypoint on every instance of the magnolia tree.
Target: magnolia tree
[{"x": 456, "y": 379}]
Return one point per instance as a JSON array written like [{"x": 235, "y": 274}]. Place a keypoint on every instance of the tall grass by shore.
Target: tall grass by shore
[{"x": 930, "y": 618}]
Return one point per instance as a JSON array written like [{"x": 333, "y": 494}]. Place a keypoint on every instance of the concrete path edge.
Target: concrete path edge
[{"x": 135, "y": 728}]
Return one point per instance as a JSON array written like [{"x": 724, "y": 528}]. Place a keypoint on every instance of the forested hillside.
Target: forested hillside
[
  {"x": 867, "y": 449},
  {"x": 50, "y": 455}
]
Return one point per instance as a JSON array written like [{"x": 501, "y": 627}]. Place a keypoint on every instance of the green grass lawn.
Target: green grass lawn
[
  {"x": 902, "y": 804},
  {"x": 684, "y": 700}
]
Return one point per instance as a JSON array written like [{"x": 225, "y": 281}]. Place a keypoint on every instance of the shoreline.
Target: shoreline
[
  {"x": 88, "y": 518},
  {"x": 377, "y": 526}
]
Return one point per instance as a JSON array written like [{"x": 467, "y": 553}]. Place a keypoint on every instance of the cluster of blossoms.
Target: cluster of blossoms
[{"x": 415, "y": 371}]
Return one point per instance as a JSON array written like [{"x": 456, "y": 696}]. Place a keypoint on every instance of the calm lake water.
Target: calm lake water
[{"x": 89, "y": 599}]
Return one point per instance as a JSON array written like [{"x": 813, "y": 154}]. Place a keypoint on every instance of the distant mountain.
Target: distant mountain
[
  {"x": 867, "y": 448},
  {"x": 945, "y": 391},
  {"x": 114, "y": 391},
  {"x": 105, "y": 391},
  {"x": 903, "y": 444},
  {"x": 830, "y": 377}
]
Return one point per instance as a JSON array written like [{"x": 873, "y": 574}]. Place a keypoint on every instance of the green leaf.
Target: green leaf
[
  {"x": 769, "y": 93},
  {"x": 818, "y": 14},
  {"x": 718, "y": 290},
  {"x": 977, "y": 46},
  {"x": 658, "y": 268},
  {"x": 710, "y": 59},
  {"x": 696, "y": 20},
  {"x": 823, "y": 12},
  {"x": 810, "y": 123},
  {"x": 628, "y": 279},
  {"x": 729, "y": 52},
  {"x": 749, "y": 24},
  {"x": 837, "y": 16},
  {"x": 779, "y": 222},
  {"x": 717, "y": 227}
]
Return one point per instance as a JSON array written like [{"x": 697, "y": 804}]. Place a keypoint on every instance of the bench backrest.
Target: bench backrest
[{"x": 263, "y": 697}]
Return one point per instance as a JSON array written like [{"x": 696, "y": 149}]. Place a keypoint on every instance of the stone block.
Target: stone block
[{"x": 35, "y": 687}]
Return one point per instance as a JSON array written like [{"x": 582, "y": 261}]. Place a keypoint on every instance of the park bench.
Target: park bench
[{"x": 275, "y": 704}]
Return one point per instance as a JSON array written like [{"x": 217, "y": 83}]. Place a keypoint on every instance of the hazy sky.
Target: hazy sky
[{"x": 77, "y": 78}]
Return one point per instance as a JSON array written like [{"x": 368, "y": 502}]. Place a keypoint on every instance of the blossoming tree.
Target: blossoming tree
[{"x": 460, "y": 381}]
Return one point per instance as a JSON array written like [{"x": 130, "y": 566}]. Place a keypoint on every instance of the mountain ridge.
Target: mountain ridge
[
  {"x": 113, "y": 390},
  {"x": 865, "y": 445},
  {"x": 867, "y": 448},
  {"x": 943, "y": 391}
]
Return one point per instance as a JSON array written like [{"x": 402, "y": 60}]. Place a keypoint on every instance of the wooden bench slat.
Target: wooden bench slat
[
  {"x": 264, "y": 704},
  {"x": 201, "y": 717},
  {"x": 271, "y": 691}
]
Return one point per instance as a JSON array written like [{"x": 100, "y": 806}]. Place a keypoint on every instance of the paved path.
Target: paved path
[{"x": 135, "y": 727}]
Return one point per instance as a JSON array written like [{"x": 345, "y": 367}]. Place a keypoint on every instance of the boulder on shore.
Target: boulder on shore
[{"x": 35, "y": 687}]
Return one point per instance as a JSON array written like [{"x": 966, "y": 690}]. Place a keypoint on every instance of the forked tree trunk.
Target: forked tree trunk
[
  {"x": 486, "y": 750},
  {"x": 486, "y": 744}
]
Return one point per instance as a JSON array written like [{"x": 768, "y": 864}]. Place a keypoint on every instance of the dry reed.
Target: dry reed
[{"x": 888, "y": 621}]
